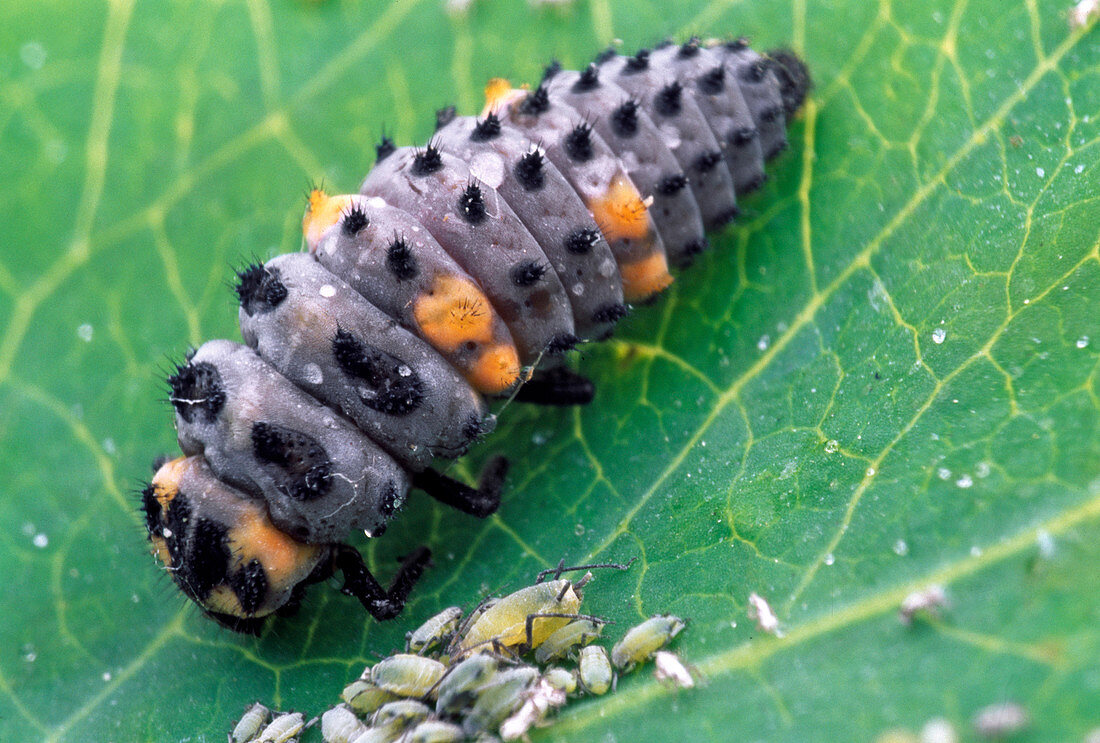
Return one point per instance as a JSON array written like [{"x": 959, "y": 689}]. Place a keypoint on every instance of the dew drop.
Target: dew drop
[
  {"x": 1040, "y": 172},
  {"x": 943, "y": 473},
  {"x": 1079, "y": 169},
  {"x": 84, "y": 332},
  {"x": 29, "y": 653},
  {"x": 830, "y": 559},
  {"x": 870, "y": 472},
  {"x": 1045, "y": 542},
  {"x": 1082, "y": 342},
  {"x": 982, "y": 469},
  {"x": 901, "y": 548},
  {"x": 578, "y": 529},
  {"x": 764, "y": 342},
  {"x": 938, "y": 335},
  {"x": 41, "y": 541},
  {"x": 106, "y": 676},
  {"x": 832, "y": 446},
  {"x": 965, "y": 481},
  {"x": 404, "y": 371},
  {"x": 975, "y": 551}
]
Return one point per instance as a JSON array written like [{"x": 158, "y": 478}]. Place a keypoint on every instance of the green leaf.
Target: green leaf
[{"x": 886, "y": 376}]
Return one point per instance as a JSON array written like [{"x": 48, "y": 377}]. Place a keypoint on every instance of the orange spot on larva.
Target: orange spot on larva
[
  {"x": 496, "y": 369},
  {"x": 498, "y": 93},
  {"x": 166, "y": 483},
  {"x": 620, "y": 211},
  {"x": 642, "y": 279},
  {"x": 285, "y": 560},
  {"x": 453, "y": 312},
  {"x": 322, "y": 212}
]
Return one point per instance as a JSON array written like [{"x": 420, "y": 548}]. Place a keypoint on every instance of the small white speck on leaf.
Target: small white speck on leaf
[
  {"x": 85, "y": 332},
  {"x": 938, "y": 335}
]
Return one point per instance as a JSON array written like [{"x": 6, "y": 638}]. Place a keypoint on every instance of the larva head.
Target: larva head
[
  {"x": 221, "y": 548},
  {"x": 793, "y": 76}
]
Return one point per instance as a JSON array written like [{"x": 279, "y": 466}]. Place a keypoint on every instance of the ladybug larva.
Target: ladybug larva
[{"x": 462, "y": 270}]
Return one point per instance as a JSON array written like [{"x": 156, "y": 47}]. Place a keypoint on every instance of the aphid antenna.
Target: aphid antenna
[
  {"x": 530, "y": 625},
  {"x": 561, "y": 568}
]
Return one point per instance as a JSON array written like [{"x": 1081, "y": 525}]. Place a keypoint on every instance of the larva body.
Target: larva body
[{"x": 498, "y": 247}]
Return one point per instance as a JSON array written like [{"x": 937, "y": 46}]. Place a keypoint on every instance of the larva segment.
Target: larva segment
[
  {"x": 634, "y": 138},
  {"x": 220, "y": 546},
  {"x": 601, "y": 182},
  {"x": 480, "y": 231},
  {"x": 396, "y": 264},
  {"x": 332, "y": 343},
  {"x": 550, "y": 210},
  {"x": 711, "y": 82},
  {"x": 754, "y": 75},
  {"x": 320, "y": 476},
  {"x": 685, "y": 131}
]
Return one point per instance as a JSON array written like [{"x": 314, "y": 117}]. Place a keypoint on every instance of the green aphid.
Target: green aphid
[
  {"x": 566, "y": 640},
  {"x": 400, "y": 715},
  {"x": 283, "y": 729},
  {"x": 435, "y": 731},
  {"x": 436, "y": 631},
  {"x": 365, "y": 697},
  {"x": 457, "y": 689},
  {"x": 561, "y": 678},
  {"x": 641, "y": 642},
  {"x": 378, "y": 735},
  {"x": 250, "y": 723},
  {"x": 407, "y": 675},
  {"x": 341, "y": 725},
  {"x": 594, "y": 670},
  {"x": 499, "y": 698},
  {"x": 523, "y": 619}
]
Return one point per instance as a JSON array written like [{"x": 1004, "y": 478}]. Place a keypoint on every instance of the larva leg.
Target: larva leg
[
  {"x": 481, "y": 501},
  {"x": 359, "y": 582},
  {"x": 559, "y": 386}
]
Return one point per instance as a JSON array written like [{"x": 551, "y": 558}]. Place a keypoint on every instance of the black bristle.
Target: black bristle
[
  {"x": 471, "y": 204},
  {"x": 714, "y": 81},
  {"x": 400, "y": 260},
  {"x": 668, "y": 101},
  {"x": 578, "y": 143},
  {"x": 610, "y": 313},
  {"x": 527, "y": 273},
  {"x": 550, "y": 70},
  {"x": 793, "y": 77},
  {"x": 259, "y": 289},
  {"x": 427, "y": 161},
  {"x": 754, "y": 72},
  {"x": 486, "y": 129},
  {"x": 384, "y": 149},
  {"x": 562, "y": 343},
  {"x": 354, "y": 220},
  {"x": 638, "y": 63},
  {"x": 581, "y": 241},
  {"x": 444, "y": 116},
  {"x": 151, "y": 507},
  {"x": 671, "y": 184},
  {"x": 624, "y": 119},
  {"x": 606, "y": 55},
  {"x": 690, "y": 48},
  {"x": 589, "y": 80},
  {"x": 708, "y": 160},
  {"x": 737, "y": 45},
  {"x": 536, "y": 102},
  {"x": 529, "y": 171}
]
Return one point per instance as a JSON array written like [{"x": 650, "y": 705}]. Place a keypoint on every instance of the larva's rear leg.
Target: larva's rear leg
[
  {"x": 481, "y": 501},
  {"x": 559, "y": 386},
  {"x": 359, "y": 582}
]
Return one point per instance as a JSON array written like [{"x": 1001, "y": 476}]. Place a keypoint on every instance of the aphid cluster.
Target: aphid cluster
[
  {"x": 466, "y": 678},
  {"x": 463, "y": 269}
]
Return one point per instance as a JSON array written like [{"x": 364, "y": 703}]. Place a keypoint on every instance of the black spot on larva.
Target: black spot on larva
[
  {"x": 550, "y": 70},
  {"x": 578, "y": 143},
  {"x": 150, "y": 506},
  {"x": 299, "y": 463},
  {"x": 668, "y": 101},
  {"x": 259, "y": 289},
  {"x": 610, "y": 313},
  {"x": 737, "y": 45},
  {"x": 486, "y": 129},
  {"x": 383, "y": 382},
  {"x": 771, "y": 113},
  {"x": 624, "y": 119},
  {"x": 561, "y": 343},
  {"x": 401, "y": 261},
  {"x": 471, "y": 204},
  {"x": 671, "y": 184},
  {"x": 743, "y": 136},
  {"x": 694, "y": 248},
  {"x": 177, "y": 520},
  {"x": 250, "y": 586},
  {"x": 529, "y": 171},
  {"x": 708, "y": 160},
  {"x": 384, "y": 149},
  {"x": 206, "y": 559},
  {"x": 582, "y": 240},
  {"x": 588, "y": 80},
  {"x": 606, "y": 55},
  {"x": 713, "y": 81},
  {"x": 527, "y": 273},
  {"x": 690, "y": 48},
  {"x": 390, "y": 499},
  {"x": 444, "y": 116},
  {"x": 427, "y": 161},
  {"x": 197, "y": 392},
  {"x": 638, "y": 63},
  {"x": 536, "y": 102},
  {"x": 754, "y": 72},
  {"x": 354, "y": 220}
]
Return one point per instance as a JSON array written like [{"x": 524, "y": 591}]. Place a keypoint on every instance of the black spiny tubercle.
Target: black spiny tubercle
[
  {"x": 471, "y": 204},
  {"x": 529, "y": 171},
  {"x": 578, "y": 143}
]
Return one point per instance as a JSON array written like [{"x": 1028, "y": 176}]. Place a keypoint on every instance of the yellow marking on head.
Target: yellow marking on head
[
  {"x": 620, "y": 211},
  {"x": 642, "y": 279},
  {"x": 496, "y": 369},
  {"x": 222, "y": 600},
  {"x": 454, "y": 311},
  {"x": 322, "y": 212},
  {"x": 166, "y": 483},
  {"x": 160, "y": 551},
  {"x": 285, "y": 560}
]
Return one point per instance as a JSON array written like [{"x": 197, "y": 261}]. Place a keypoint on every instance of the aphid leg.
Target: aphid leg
[
  {"x": 561, "y": 568},
  {"x": 560, "y": 386},
  {"x": 530, "y": 626},
  {"x": 481, "y": 502},
  {"x": 359, "y": 582}
]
